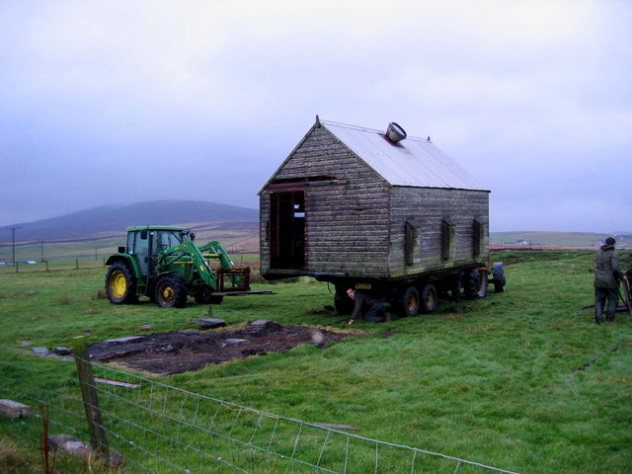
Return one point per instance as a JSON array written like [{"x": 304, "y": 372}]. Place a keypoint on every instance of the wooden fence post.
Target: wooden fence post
[{"x": 90, "y": 398}]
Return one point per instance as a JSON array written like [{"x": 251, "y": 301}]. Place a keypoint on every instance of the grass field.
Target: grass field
[{"x": 521, "y": 380}]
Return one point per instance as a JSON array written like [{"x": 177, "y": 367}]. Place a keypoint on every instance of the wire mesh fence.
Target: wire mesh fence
[{"x": 154, "y": 427}]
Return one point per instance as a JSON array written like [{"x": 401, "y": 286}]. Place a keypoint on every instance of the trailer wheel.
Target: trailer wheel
[
  {"x": 170, "y": 292},
  {"x": 475, "y": 284},
  {"x": 120, "y": 285},
  {"x": 410, "y": 303},
  {"x": 429, "y": 298}
]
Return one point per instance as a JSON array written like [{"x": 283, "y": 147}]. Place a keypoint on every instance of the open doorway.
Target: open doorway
[{"x": 287, "y": 229}]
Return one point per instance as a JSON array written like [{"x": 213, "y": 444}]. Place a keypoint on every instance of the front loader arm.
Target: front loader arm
[
  {"x": 184, "y": 252},
  {"x": 228, "y": 278},
  {"x": 219, "y": 252}
]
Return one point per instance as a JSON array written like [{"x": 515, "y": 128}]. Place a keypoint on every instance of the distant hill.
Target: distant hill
[
  {"x": 585, "y": 240},
  {"x": 111, "y": 220}
]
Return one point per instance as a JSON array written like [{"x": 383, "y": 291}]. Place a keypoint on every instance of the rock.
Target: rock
[
  {"x": 62, "y": 351},
  {"x": 125, "y": 339},
  {"x": 71, "y": 445},
  {"x": 146, "y": 327},
  {"x": 41, "y": 351},
  {"x": 264, "y": 325},
  {"x": 234, "y": 342},
  {"x": 210, "y": 323},
  {"x": 14, "y": 410}
]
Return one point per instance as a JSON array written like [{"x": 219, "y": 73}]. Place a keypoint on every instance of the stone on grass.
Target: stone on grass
[
  {"x": 210, "y": 323},
  {"x": 125, "y": 339},
  {"x": 234, "y": 342},
  {"x": 62, "y": 351},
  {"x": 14, "y": 410},
  {"x": 71, "y": 445},
  {"x": 264, "y": 325}
]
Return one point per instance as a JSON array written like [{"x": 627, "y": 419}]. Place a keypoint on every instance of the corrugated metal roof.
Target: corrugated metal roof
[{"x": 413, "y": 161}]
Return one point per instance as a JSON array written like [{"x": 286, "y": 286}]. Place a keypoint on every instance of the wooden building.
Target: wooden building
[{"x": 371, "y": 209}]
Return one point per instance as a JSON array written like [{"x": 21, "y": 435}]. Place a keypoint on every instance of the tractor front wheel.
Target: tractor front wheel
[
  {"x": 170, "y": 292},
  {"x": 120, "y": 285}
]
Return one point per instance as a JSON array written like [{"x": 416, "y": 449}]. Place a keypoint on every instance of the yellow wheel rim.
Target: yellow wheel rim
[
  {"x": 430, "y": 299},
  {"x": 412, "y": 304},
  {"x": 118, "y": 284},
  {"x": 167, "y": 293}
]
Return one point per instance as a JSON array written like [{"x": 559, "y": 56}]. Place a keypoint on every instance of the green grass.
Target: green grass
[{"x": 495, "y": 381}]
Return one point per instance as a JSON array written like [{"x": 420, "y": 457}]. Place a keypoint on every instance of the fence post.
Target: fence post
[
  {"x": 90, "y": 398},
  {"x": 77, "y": 263}
]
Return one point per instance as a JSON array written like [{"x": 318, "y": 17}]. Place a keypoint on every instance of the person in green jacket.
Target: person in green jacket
[{"x": 607, "y": 275}]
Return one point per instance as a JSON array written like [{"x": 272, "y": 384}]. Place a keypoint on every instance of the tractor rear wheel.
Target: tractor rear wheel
[
  {"x": 120, "y": 285},
  {"x": 475, "y": 284},
  {"x": 170, "y": 292}
]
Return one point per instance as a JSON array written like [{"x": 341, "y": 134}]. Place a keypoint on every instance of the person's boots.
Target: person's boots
[{"x": 610, "y": 318}]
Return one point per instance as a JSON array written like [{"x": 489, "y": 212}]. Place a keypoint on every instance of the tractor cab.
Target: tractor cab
[{"x": 144, "y": 244}]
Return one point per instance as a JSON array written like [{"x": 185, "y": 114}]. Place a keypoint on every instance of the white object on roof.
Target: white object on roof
[{"x": 412, "y": 162}]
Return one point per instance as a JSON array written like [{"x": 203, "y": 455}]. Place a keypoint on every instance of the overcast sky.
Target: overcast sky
[{"x": 117, "y": 102}]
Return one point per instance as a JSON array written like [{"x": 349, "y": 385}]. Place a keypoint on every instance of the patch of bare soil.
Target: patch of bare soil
[{"x": 188, "y": 350}]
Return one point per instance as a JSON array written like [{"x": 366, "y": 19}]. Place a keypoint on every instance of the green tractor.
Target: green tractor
[{"x": 164, "y": 264}]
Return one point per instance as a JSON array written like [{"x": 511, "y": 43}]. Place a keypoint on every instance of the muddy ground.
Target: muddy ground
[{"x": 188, "y": 350}]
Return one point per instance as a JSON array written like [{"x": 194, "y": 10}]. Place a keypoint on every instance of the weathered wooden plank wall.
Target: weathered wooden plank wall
[{"x": 426, "y": 209}]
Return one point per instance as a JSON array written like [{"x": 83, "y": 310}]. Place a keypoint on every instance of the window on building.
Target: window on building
[
  {"x": 478, "y": 237},
  {"x": 409, "y": 243},
  {"x": 448, "y": 236}
]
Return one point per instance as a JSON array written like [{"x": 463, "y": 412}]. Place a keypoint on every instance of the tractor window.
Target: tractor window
[
  {"x": 137, "y": 245},
  {"x": 130, "y": 242},
  {"x": 167, "y": 239}
]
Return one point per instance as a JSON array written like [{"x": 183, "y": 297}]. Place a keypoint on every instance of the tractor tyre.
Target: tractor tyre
[
  {"x": 410, "y": 303},
  {"x": 475, "y": 284},
  {"x": 429, "y": 298},
  {"x": 207, "y": 297},
  {"x": 170, "y": 292},
  {"x": 120, "y": 285},
  {"x": 499, "y": 277}
]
